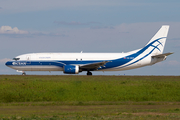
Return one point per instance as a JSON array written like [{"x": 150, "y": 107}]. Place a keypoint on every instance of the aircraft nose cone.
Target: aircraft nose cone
[{"x": 8, "y": 63}]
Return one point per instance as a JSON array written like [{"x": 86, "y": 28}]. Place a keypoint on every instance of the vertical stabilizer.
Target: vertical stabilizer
[{"x": 157, "y": 43}]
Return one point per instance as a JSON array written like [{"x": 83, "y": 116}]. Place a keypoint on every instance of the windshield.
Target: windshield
[{"x": 16, "y": 58}]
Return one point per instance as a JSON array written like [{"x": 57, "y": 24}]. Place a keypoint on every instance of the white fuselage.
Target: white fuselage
[{"x": 43, "y": 61}]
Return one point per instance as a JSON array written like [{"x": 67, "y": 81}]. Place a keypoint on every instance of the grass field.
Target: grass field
[{"x": 89, "y": 97}]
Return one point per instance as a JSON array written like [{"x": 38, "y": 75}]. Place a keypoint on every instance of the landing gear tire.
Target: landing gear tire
[
  {"x": 89, "y": 73},
  {"x": 24, "y": 73}
]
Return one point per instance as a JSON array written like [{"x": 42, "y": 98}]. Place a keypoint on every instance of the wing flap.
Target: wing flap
[{"x": 93, "y": 66}]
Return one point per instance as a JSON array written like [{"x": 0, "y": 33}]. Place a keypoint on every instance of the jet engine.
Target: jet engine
[{"x": 71, "y": 69}]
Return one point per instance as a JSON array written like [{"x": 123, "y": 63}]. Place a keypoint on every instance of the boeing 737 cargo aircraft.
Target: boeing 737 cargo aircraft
[{"x": 73, "y": 63}]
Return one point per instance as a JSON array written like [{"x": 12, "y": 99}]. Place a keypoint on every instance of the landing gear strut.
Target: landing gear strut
[{"x": 89, "y": 73}]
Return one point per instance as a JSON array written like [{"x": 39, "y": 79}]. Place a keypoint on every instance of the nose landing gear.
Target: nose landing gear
[{"x": 23, "y": 73}]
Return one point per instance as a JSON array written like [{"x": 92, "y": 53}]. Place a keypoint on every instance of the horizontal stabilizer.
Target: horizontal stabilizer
[{"x": 162, "y": 55}]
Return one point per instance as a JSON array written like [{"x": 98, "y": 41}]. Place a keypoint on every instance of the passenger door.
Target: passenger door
[{"x": 28, "y": 59}]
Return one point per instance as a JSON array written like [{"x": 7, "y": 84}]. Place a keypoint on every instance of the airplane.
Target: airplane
[{"x": 74, "y": 63}]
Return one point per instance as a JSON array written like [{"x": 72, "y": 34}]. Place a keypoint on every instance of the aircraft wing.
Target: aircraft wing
[
  {"x": 93, "y": 66},
  {"x": 162, "y": 55}
]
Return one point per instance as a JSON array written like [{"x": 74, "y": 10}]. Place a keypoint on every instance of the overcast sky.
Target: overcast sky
[{"x": 30, "y": 26}]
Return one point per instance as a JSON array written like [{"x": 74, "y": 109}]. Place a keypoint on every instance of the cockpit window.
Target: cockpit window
[{"x": 16, "y": 58}]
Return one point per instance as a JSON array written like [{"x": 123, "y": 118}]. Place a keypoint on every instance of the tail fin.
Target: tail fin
[{"x": 159, "y": 40}]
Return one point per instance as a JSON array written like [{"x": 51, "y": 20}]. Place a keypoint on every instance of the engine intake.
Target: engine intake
[{"x": 71, "y": 69}]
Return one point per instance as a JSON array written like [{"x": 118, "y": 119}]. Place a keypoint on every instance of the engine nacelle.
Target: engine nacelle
[{"x": 71, "y": 69}]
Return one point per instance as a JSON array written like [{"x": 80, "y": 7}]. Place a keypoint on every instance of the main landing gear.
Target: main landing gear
[{"x": 89, "y": 73}]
